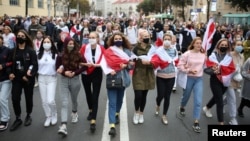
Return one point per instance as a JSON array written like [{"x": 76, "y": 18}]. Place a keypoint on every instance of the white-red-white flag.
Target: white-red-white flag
[{"x": 210, "y": 30}]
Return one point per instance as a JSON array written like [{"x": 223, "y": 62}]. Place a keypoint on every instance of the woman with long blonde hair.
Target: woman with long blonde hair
[{"x": 192, "y": 63}]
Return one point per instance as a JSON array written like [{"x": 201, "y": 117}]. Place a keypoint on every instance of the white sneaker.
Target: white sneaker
[
  {"x": 63, "y": 130},
  {"x": 141, "y": 118},
  {"x": 238, "y": 91},
  {"x": 207, "y": 112},
  {"x": 54, "y": 119},
  {"x": 233, "y": 121},
  {"x": 136, "y": 118},
  {"x": 74, "y": 118},
  {"x": 164, "y": 120},
  {"x": 47, "y": 122},
  {"x": 36, "y": 84},
  {"x": 157, "y": 110}
]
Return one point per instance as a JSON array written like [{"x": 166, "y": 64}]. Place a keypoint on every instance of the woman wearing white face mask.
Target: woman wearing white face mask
[
  {"x": 164, "y": 62},
  {"x": 47, "y": 79},
  {"x": 238, "y": 60},
  {"x": 92, "y": 77}
]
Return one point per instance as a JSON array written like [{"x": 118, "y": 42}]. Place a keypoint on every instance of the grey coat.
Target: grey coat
[{"x": 246, "y": 82}]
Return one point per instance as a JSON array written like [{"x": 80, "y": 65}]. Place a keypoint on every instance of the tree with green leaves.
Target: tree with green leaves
[
  {"x": 84, "y": 6},
  {"x": 241, "y": 5},
  {"x": 153, "y": 6},
  {"x": 156, "y": 6},
  {"x": 182, "y": 4}
]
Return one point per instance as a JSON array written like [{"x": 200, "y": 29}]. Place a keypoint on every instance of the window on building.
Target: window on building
[
  {"x": 227, "y": 1},
  {"x": 14, "y": 2},
  {"x": 40, "y": 4},
  {"x": 30, "y": 4}
]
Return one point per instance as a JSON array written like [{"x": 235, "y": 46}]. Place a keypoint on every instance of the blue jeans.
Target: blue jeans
[
  {"x": 5, "y": 91},
  {"x": 194, "y": 84},
  {"x": 115, "y": 97}
]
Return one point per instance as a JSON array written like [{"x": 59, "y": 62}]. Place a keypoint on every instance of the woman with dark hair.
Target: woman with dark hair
[
  {"x": 23, "y": 74},
  {"x": 92, "y": 77},
  {"x": 117, "y": 62},
  {"x": 47, "y": 79},
  {"x": 5, "y": 83},
  {"x": 222, "y": 66},
  {"x": 37, "y": 43},
  {"x": 68, "y": 65},
  {"x": 38, "y": 39},
  {"x": 18, "y": 26}
]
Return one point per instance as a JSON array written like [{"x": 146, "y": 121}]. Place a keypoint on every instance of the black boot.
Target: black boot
[
  {"x": 28, "y": 120},
  {"x": 89, "y": 116},
  {"x": 240, "y": 112},
  {"x": 16, "y": 124},
  {"x": 112, "y": 131},
  {"x": 247, "y": 103},
  {"x": 242, "y": 105},
  {"x": 92, "y": 127}
]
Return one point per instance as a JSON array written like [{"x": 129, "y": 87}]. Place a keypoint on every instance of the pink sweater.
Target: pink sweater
[{"x": 191, "y": 60}]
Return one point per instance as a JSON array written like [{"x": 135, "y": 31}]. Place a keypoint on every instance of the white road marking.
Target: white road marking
[
  {"x": 124, "y": 133},
  {"x": 105, "y": 135}
]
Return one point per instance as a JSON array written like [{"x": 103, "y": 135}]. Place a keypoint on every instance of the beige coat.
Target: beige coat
[{"x": 238, "y": 59}]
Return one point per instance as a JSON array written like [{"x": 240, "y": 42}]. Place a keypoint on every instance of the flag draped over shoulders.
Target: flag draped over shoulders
[
  {"x": 86, "y": 51},
  {"x": 161, "y": 59},
  {"x": 227, "y": 68},
  {"x": 113, "y": 58}
]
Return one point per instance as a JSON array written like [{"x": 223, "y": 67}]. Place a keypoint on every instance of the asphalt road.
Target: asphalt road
[{"x": 151, "y": 130}]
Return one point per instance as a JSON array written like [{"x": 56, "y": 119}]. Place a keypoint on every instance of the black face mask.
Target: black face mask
[
  {"x": 146, "y": 40},
  {"x": 20, "y": 40},
  {"x": 222, "y": 31},
  {"x": 223, "y": 49}
]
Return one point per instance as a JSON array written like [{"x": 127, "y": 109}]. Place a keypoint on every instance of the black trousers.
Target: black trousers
[
  {"x": 17, "y": 87},
  {"x": 164, "y": 90},
  {"x": 92, "y": 85},
  {"x": 140, "y": 99},
  {"x": 218, "y": 89}
]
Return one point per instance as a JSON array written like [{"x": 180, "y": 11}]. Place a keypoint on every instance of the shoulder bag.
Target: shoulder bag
[{"x": 113, "y": 81}]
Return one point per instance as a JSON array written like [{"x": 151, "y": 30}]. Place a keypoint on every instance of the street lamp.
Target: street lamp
[
  {"x": 161, "y": 10},
  {"x": 26, "y": 8},
  {"x": 68, "y": 8},
  {"x": 161, "y": 6},
  {"x": 208, "y": 9}
]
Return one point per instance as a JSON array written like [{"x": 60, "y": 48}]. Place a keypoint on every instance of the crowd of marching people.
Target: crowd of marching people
[{"x": 162, "y": 55}]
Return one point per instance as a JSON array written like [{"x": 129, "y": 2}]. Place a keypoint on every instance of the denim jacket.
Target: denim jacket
[{"x": 170, "y": 68}]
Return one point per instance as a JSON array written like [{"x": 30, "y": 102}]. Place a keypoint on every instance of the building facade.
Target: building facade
[
  {"x": 198, "y": 11},
  {"x": 35, "y": 7},
  {"x": 121, "y": 8}
]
